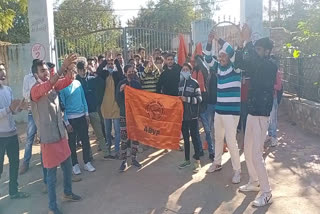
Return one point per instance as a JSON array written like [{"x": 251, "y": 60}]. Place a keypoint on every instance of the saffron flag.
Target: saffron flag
[
  {"x": 153, "y": 119},
  {"x": 182, "y": 51},
  {"x": 197, "y": 51}
]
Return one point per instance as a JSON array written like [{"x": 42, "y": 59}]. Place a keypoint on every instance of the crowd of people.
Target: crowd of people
[{"x": 229, "y": 91}]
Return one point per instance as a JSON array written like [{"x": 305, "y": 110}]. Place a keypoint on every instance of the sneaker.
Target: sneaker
[
  {"x": 214, "y": 167},
  {"x": 76, "y": 169},
  {"x": 211, "y": 157},
  {"x": 24, "y": 168},
  {"x": 274, "y": 141},
  {"x": 136, "y": 164},
  {"x": 268, "y": 138},
  {"x": 88, "y": 166},
  {"x": 184, "y": 164},
  {"x": 236, "y": 177},
  {"x": 250, "y": 187},
  {"x": 197, "y": 166},
  {"x": 263, "y": 199},
  {"x": 57, "y": 211},
  {"x": 109, "y": 157},
  {"x": 71, "y": 198},
  {"x": 124, "y": 166}
]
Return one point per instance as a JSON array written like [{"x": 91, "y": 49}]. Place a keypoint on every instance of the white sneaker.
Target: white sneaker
[
  {"x": 76, "y": 169},
  {"x": 213, "y": 168},
  {"x": 262, "y": 200},
  {"x": 250, "y": 187},
  {"x": 236, "y": 177},
  {"x": 274, "y": 141},
  {"x": 88, "y": 166}
]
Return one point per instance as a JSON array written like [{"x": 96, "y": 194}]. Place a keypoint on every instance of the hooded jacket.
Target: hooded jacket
[{"x": 169, "y": 80}]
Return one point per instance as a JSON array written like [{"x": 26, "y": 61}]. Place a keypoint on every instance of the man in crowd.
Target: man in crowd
[
  {"x": 28, "y": 81},
  {"x": 228, "y": 105},
  {"x": 139, "y": 63},
  {"x": 254, "y": 60},
  {"x": 101, "y": 58},
  {"x": 91, "y": 66},
  {"x": 48, "y": 117},
  {"x": 109, "y": 108},
  {"x": 76, "y": 119},
  {"x": 142, "y": 53},
  {"x": 170, "y": 77},
  {"x": 159, "y": 63},
  {"x": 119, "y": 63},
  {"x": 157, "y": 53},
  {"x": 149, "y": 78},
  {"x": 130, "y": 80},
  {"x": 9, "y": 142},
  {"x": 89, "y": 87}
]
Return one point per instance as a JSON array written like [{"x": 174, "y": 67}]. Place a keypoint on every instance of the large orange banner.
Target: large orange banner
[{"x": 153, "y": 119}]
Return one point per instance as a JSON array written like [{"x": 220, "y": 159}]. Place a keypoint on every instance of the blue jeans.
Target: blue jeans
[
  {"x": 108, "y": 127},
  {"x": 207, "y": 118},
  {"x": 31, "y": 133},
  {"x": 272, "y": 131},
  {"x": 66, "y": 168},
  {"x": 44, "y": 171}
]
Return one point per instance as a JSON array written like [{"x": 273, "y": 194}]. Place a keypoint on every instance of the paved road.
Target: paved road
[{"x": 161, "y": 188}]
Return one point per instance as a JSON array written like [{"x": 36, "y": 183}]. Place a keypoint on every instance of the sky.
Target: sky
[{"x": 228, "y": 8}]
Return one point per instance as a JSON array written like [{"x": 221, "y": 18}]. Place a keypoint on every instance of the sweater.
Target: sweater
[
  {"x": 169, "y": 80},
  {"x": 149, "y": 79},
  {"x": 74, "y": 101},
  {"x": 7, "y": 124}
]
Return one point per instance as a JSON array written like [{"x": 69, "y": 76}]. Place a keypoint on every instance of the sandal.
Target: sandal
[{"x": 20, "y": 195}]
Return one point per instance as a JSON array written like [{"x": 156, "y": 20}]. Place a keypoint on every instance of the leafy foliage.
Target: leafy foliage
[{"x": 8, "y": 12}]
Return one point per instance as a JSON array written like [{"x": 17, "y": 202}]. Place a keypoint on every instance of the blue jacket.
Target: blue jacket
[{"x": 73, "y": 100}]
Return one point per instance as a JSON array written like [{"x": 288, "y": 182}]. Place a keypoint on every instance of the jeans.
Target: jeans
[
  {"x": 108, "y": 127},
  {"x": 272, "y": 130},
  {"x": 80, "y": 129},
  {"x": 207, "y": 119},
  {"x": 31, "y": 133},
  {"x": 44, "y": 171},
  {"x": 190, "y": 127},
  {"x": 11, "y": 146},
  {"x": 95, "y": 121},
  {"x": 66, "y": 168}
]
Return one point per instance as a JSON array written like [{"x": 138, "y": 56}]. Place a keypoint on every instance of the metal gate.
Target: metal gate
[{"x": 124, "y": 40}]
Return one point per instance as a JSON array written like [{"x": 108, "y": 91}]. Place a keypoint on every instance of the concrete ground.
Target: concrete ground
[{"x": 161, "y": 188}]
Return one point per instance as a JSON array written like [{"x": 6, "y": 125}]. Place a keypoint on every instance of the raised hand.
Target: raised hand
[
  {"x": 71, "y": 59},
  {"x": 245, "y": 33},
  {"x": 211, "y": 36}
]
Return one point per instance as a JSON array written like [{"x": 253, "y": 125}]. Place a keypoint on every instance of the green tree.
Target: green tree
[{"x": 8, "y": 11}]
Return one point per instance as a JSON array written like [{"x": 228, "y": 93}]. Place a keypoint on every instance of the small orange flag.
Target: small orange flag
[
  {"x": 153, "y": 119},
  {"x": 197, "y": 51},
  {"x": 182, "y": 51}
]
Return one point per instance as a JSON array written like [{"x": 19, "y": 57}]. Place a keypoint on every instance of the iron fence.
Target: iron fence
[{"x": 301, "y": 76}]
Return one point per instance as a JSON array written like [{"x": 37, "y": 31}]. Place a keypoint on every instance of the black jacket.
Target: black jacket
[
  {"x": 89, "y": 87},
  {"x": 212, "y": 88},
  {"x": 169, "y": 80},
  {"x": 191, "y": 91},
  {"x": 262, "y": 73}
]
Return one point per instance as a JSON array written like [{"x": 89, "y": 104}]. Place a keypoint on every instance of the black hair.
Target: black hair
[
  {"x": 81, "y": 65},
  {"x": 158, "y": 49},
  {"x": 130, "y": 60},
  {"x": 126, "y": 68},
  {"x": 136, "y": 55},
  {"x": 100, "y": 57},
  {"x": 119, "y": 54},
  {"x": 34, "y": 68},
  {"x": 160, "y": 58},
  {"x": 169, "y": 55},
  {"x": 188, "y": 65},
  {"x": 141, "y": 49},
  {"x": 265, "y": 43}
]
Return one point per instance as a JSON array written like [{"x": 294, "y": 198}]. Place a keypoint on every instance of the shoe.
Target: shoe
[
  {"x": 250, "y": 187},
  {"x": 184, "y": 164},
  {"x": 214, "y": 167},
  {"x": 76, "y": 169},
  {"x": 211, "y": 157},
  {"x": 268, "y": 138},
  {"x": 57, "y": 211},
  {"x": 136, "y": 164},
  {"x": 88, "y": 166},
  {"x": 197, "y": 166},
  {"x": 236, "y": 177},
  {"x": 76, "y": 178},
  {"x": 20, "y": 195},
  {"x": 44, "y": 189},
  {"x": 24, "y": 168},
  {"x": 71, "y": 198},
  {"x": 124, "y": 166},
  {"x": 263, "y": 199},
  {"x": 274, "y": 141},
  {"x": 109, "y": 157}
]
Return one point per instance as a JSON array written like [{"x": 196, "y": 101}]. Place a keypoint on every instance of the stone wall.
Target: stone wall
[{"x": 303, "y": 113}]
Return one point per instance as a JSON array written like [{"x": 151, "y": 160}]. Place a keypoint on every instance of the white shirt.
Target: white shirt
[{"x": 28, "y": 82}]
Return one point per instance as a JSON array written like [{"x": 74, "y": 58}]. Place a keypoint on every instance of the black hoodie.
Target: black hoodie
[{"x": 169, "y": 80}]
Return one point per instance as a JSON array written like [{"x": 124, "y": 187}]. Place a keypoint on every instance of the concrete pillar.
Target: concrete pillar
[
  {"x": 41, "y": 25},
  {"x": 252, "y": 14},
  {"x": 200, "y": 30}
]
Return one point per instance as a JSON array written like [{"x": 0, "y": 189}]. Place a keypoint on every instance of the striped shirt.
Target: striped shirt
[
  {"x": 229, "y": 86},
  {"x": 149, "y": 79}
]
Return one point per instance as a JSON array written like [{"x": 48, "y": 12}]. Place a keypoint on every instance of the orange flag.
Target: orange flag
[
  {"x": 182, "y": 51},
  {"x": 197, "y": 51},
  {"x": 153, "y": 119}
]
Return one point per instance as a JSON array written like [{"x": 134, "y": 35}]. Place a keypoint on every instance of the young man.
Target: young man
[
  {"x": 89, "y": 87},
  {"x": 228, "y": 105},
  {"x": 253, "y": 59},
  {"x": 150, "y": 77},
  {"x": 190, "y": 94},
  {"x": 76, "y": 119},
  {"x": 9, "y": 142},
  {"x": 139, "y": 63},
  {"x": 142, "y": 53},
  {"x": 109, "y": 108},
  {"x": 170, "y": 77},
  {"x": 28, "y": 81},
  {"x": 48, "y": 117},
  {"x": 159, "y": 63},
  {"x": 91, "y": 66},
  {"x": 119, "y": 63},
  {"x": 157, "y": 53},
  {"x": 130, "y": 80},
  {"x": 101, "y": 58}
]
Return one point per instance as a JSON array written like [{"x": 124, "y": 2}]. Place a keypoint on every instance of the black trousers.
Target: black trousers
[
  {"x": 10, "y": 145},
  {"x": 190, "y": 127},
  {"x": 80, "y": 129}
]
